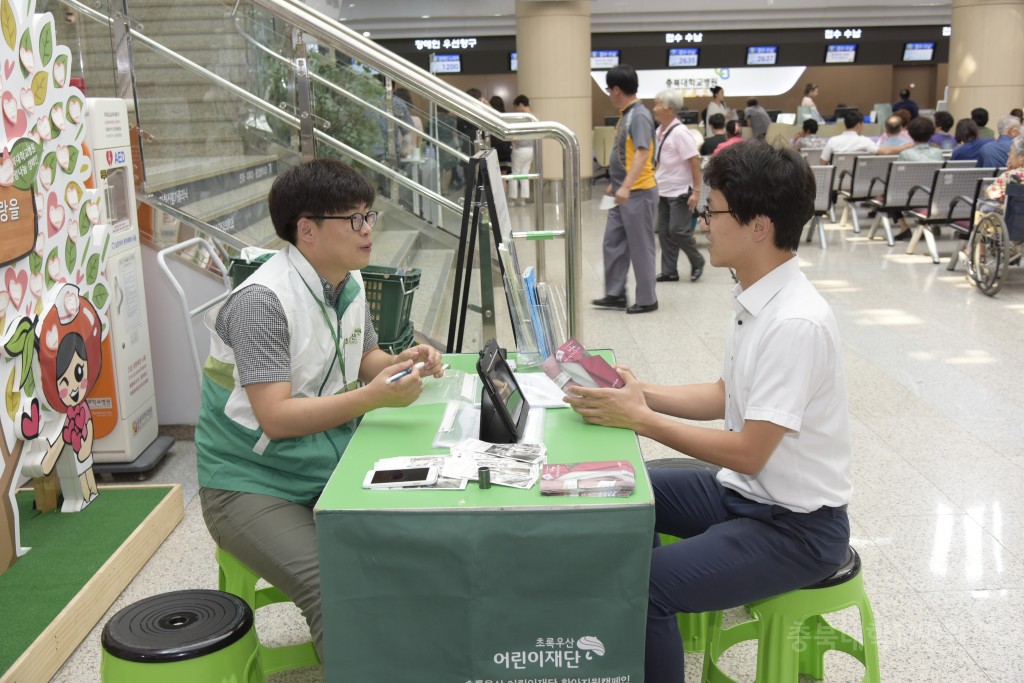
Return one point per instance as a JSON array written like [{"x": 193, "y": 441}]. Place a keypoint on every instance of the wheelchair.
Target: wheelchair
[{"x": 990, "y": 246}]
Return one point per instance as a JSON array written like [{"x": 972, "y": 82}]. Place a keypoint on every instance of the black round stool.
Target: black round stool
[{"x": 199, "y": 635}]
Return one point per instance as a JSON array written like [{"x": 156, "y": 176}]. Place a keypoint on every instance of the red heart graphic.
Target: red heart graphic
[
  {"x": 30, "y": 421},
  {"x": 79, "y": 276},
  {"x": 8, "y": 68},
  {"x": 16, "y": 284}
]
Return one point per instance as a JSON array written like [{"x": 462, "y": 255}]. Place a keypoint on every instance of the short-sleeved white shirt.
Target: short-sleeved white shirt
[
  {"x": 846, "y": 142},
  {"x": 674, "y": 147},
  {"x": 784, "y": 364}
]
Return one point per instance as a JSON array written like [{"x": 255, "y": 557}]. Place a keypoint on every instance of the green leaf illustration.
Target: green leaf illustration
[
  {"x": 16, "y": 343},
  {"x": 40, "y": 85},
  {"x": 92, "y": 269},
  {"x": 26, "y": 154},
  {"x": 13, "y": 397},
  {"x": 26, "y": 369},
  {"x": 45, "y": 45},
  {"x": 70, "y": 255},
  {"x": 29, "y": 387},
  {"x": 83, "y": 219},
  {"x": 99, "y": 297},
  {"x": 8, "y": 23},
  {"x": 46, "y": 270},
  {"x": 25, "y": 46},
  {"x": 106, "y": 243},
  {"x": 35, "y": 263}
]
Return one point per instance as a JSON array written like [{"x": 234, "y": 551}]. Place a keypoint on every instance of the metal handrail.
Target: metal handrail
[{"x": 490, "y": 121}]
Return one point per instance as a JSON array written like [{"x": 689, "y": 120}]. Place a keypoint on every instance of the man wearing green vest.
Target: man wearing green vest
[{"x": 293, "y": 365}]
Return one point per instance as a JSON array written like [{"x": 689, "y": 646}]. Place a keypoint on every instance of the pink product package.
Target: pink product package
[{"x": 573, "y": 366}]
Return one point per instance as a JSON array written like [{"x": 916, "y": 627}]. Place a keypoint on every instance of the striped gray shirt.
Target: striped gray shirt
[{"x": 253, "y": 323}]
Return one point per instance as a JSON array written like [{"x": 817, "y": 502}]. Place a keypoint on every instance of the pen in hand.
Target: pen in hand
[{"x": 408, "y": 371}]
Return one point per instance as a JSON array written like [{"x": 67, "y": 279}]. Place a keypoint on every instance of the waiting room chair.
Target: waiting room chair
[
  {"x": 943, "y": 209},
  {"x": 792, "y": 634},
  {"x": 903, "y": 176},
  {"x": 961, "y": 163},
  {"x": 862, "y": 180},
  {"x": 823, "y": 176}
]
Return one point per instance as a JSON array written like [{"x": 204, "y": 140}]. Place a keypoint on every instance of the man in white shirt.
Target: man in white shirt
[
  {"x": 677, "y": 172},
  {"x": 852, "y": 141},
  {"x": 773, "y": 519}
]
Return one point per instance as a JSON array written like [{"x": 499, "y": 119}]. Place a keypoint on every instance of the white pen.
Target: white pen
[{"x": 408, "y": 371}]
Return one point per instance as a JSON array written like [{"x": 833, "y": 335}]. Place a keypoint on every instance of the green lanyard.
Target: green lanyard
[{"x": 334, "y": 335}]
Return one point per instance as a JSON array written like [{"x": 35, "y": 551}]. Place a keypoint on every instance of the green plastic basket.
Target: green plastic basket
[
  {"x": 389, "y": 293},
  {"x": 401, "y": 344},
  {"x": 239, "y": 268}
]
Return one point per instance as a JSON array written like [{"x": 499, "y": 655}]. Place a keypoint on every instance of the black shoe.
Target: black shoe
[
  {"x": 662, "y": 277},
  {"x": 637, "y": 308},
  {"x": 696, "y": 273},
  {"x": 904, "y": 236},
  {"x": 610, "y": 302}
]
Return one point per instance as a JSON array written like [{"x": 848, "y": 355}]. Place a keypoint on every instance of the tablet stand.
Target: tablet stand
[{"x": 482, "y": 186}]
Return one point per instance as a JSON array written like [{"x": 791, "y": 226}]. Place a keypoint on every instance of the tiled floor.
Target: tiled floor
[{"x": 938, "y": 426}]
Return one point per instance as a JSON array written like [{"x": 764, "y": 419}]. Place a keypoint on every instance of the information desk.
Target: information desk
[{"x": 495, "y": 584}]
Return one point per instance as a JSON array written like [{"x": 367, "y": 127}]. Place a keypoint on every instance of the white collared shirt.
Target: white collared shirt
[
  {"x": 784, "y": 364},
  {"x": 846, "y": 142}
]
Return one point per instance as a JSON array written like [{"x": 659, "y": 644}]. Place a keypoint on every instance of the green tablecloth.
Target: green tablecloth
[{"x": 497, "y": 585}]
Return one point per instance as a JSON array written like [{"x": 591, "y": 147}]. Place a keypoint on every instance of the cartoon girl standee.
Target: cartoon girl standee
[{"x": 69, "y": 361}]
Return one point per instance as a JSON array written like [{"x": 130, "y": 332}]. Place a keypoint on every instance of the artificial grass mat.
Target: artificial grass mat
[{"x": 67, "y": 550}]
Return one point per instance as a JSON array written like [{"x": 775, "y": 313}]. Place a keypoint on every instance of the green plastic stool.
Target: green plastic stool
[
  {"x": 792, "y": 634},
  {"x": 692, "y": 626},
  {"x": 235, "y": 578},
  {"x": 197, "y": 635}
]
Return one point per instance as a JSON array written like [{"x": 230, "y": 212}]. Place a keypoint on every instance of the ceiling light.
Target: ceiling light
[{"x": 366, "y": 33}]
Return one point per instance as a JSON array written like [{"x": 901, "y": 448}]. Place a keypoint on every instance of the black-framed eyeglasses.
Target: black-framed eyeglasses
[
  {"x": 706, "y": 213},
  {"x": 357, "y": 219}
]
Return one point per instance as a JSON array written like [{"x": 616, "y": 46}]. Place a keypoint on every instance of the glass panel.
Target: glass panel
[{"x": 216, "y": 132}]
